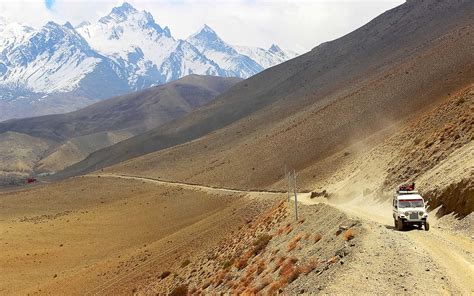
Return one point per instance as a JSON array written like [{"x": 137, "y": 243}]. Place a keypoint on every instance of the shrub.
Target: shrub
[
  {"x": 279, "y": 263},
  {"x": 219, "y": 279},
  {"x": 349, "y": 234},
  {"x": 309, "y": 266},
  {"x": 281, "y": 230},
  {"x": 261, "y": 267},
  {"x": 287, "y": 268},
  {"x": 180, "y": 291},
  {"x": 317, "y": 237},
  {"x": 274, "y": 288},
  {"x": 227, "y": 264},
  {"x": 164, "y": 274},
  {"x": 294, "y": 242},
  {"x": 185, "y": 263},
  {"x": 261, "y": 243},
  {"x": 263, "y": 284},
  {"x": 332, "y": 260},
  {"x": 242, "y": 262},
  {"x": 249, "y": 272},
  {"x": 206, "y": 284},
  {"x": 293, "y": 275}
]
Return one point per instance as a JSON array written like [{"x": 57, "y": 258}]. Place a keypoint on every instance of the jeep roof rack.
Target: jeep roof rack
[{"x": 407, "y": 187}]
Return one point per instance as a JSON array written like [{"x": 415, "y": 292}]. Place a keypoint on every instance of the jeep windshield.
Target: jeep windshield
[{"x": 411, "y": 203}]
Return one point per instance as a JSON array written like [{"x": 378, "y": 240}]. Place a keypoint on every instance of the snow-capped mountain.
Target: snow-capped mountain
[
  {"x": 212, "y": 46},
  {"x": 121, "y": 52},
  {"x": 266, "y": 58}
]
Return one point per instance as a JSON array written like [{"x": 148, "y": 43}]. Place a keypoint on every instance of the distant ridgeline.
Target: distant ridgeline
[{"x": 60, "y": 68}]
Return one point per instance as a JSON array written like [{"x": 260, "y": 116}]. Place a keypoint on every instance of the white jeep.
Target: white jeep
[{"x": 409, "y": 208}]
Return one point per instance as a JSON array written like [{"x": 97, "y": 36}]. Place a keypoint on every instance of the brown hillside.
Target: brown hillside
[
  {"x": 302, "y": 111},
  {"x": 71, "y": 137}
]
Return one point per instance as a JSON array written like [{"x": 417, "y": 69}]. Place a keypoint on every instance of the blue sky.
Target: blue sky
[{"x": 293, "y": 24}]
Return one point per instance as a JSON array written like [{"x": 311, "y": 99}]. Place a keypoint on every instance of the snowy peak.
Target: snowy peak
[
  {"x": 207, "y": 40},
  {"x": 126, "y": 50},
  {"x": 206, "y": 30},
  {"x": 275, "y": 49},
  {"x": 119, "y": 14},
  {"x": 127, "y": 15},
  {"x": 68, "y": 25}
]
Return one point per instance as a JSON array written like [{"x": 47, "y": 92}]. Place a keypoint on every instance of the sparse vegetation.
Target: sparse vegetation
[
  {"x": 294, "y": 242},
  {"x": 185, "y": 263},
  {"x": 242, "y": 262},
  {"x": 317, "y": 237},
  {"x": 261, "y": 243},
  {"x": 227, "y": 264},
  {"x": 349, "y": 234},
  {"x": 261, "y": 266},
  {"x": 309, "y": 266},
  {"x": 181, "y": 290},
  {"x": 164, "y": 274}
]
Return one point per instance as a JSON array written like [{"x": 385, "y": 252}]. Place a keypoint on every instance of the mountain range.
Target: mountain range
[
  {"x": 51, "y": 142},
  {"x": 61, "y": 68}
]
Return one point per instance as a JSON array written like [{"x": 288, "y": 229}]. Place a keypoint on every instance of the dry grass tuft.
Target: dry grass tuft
[
  {"x": 227, "y": 264},
  {"x": 294, "y": 242},
  {"x": 219, "y": 279},
  {"x": 317, "y": 237},
  {"x": 279, "y": 263},
  {"x": 287, "y": 268},
  {"x": 281, "y": 230},
  {"x": 332, "y": 260},
  {"x": 301, "y": 221},
  {"x": 180, "y": 291},
  {"x": 261, "y": 243},
  {"x": 349, "y": 234},
  {"x": 261, "y": 266},
  {"x": 164, "y": 274},
  {"x": 309, "y": 266},
  {"x": 250, "y": 271},
  {"x": 185, "y": 263},
  {"x": 242, "y": 262},
  {"x": 263, "y": 284},
  {"x": 206, "y": 284},
  {"x": 274, "y": 288}
]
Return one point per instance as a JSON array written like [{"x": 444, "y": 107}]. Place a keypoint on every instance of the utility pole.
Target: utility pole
[
  {"x": 287, "y": 175},
  {"x": 296, "y": 196}
]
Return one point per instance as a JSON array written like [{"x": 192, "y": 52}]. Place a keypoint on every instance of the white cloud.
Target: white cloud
[{"x": 298, "y": 25}]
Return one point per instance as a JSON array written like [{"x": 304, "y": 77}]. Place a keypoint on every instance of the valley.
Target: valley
[{"x": 183, "y": 188}]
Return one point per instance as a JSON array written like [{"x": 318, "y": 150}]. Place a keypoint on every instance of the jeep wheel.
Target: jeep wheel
[
  {"x": 427, "y": 226},
  {"x": 400, "y": 224},
  {"x": 395, "y": 223}
]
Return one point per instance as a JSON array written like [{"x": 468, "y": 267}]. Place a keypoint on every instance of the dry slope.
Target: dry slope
[
  {"x": 303, "y": 111},
  {"x": 69, "y": 138}
]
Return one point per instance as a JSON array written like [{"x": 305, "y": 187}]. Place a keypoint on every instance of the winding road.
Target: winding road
[{"x": 452, "y": 254}]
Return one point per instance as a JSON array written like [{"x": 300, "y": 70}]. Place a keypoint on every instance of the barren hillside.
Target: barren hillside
[
  {"x": 307, "y": 109},
  {"x": 71, "y": 137},
  {"x": 198, "y": 205}
]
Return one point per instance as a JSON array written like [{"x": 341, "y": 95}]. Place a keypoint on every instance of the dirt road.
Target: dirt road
[
  {"x": 447, "y": 259},
  {"x": 434, "y": 261},
  {"x": 415, "y": 261},
  {"x": 208, "y": 189}
]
